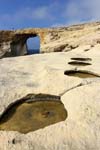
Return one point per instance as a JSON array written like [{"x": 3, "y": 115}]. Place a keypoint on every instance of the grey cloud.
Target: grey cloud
[{"x": 83, "y": 10}]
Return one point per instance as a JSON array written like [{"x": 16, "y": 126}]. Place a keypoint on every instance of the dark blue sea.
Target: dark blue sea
[{"x": 33, "y": 51}]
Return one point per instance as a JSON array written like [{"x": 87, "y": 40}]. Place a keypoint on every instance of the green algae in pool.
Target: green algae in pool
[{"x": 30, "y": 116}]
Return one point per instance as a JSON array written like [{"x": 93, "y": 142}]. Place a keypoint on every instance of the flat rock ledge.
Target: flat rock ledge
[{"x": 77, "y": 86}]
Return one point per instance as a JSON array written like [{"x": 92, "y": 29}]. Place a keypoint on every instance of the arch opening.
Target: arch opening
[{"x": 33, "y": 45}]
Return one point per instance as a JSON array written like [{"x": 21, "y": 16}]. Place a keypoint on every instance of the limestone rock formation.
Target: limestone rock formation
[
  {"x": 13, "y": 43},
  {"x": 69, "y": 83}
]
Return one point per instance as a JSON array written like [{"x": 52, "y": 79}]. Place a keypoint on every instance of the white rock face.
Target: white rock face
[
  {"x": 44, "y": 73},
  {"x": 74, "y": 76}
]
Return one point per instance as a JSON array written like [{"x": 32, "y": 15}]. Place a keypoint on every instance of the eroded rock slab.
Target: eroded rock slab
[
  {"x": 79, "y": 131},
  {"x": 45, "y": 73}
]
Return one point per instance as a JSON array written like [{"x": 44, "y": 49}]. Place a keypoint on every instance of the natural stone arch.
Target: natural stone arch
[
  {"x": 13, "y": 43},
  {"x": 19, "y": 44}
]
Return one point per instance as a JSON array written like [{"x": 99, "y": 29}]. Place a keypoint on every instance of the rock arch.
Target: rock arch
[
  {"x": 19, "y": 44},
  {"x": 14, "y": 43}
]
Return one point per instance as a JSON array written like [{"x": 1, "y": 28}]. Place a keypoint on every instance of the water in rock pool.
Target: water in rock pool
[
  {"x": 81, "y": 74},
  {"x": 31, "y": 116}
]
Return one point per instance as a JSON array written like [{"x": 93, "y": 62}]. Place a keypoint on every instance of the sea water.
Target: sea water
[{"x": 33, "y": 51}]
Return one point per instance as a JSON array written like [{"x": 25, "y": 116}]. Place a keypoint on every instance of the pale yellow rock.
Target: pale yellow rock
[
  {"x": 45, "y": 73},
  {"x": 14, "y": 43}
]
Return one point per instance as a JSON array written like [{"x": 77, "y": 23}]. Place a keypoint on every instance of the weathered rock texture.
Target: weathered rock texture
[
  {"x": 78, "y": 87},
  {"x": 80, "y": 96},
  {"x": 13, "y": 43}
]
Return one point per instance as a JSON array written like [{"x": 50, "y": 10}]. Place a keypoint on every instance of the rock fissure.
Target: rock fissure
[
  {"x": 81, "y": 59},
  {"x": 84, "y": 83},
  {"x": 78, "y": 63}
]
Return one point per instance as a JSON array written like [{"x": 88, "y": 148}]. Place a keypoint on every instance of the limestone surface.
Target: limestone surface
[
  {"x": 45, "y": 73},
  {"x": 73, "y": 76}
]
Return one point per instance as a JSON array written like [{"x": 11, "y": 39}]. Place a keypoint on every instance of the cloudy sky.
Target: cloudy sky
[{"x": 16, "y": 14}]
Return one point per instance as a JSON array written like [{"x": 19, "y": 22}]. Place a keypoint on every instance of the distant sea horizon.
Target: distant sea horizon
[{"x": 33, "y": 51}]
